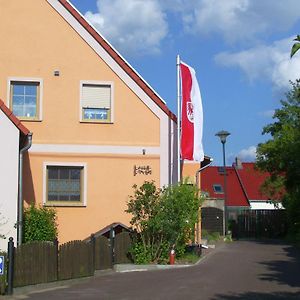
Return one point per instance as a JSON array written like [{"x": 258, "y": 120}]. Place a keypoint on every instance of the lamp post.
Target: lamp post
[{"x": 223, "y": 135}]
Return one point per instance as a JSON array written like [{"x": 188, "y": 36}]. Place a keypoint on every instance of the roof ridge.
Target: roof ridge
[{"x": 241, "y": 183}]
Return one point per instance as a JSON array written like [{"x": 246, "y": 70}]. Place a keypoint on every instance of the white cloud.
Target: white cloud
[
  {"x": 267, "y": 62},
  {"x": 140, "y": 26},
  {"x": 132, "y": 26},
  {"x": 247, "y": 154},
  {"x": 238, "y": 20},
  {"x": 267, "y": 113}
]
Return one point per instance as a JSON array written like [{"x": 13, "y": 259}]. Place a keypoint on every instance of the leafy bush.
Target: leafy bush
[
  {"x": 39, "y": 224},
  {"x": 211, "y": 236},
  {"x": 163, "y": 219}
]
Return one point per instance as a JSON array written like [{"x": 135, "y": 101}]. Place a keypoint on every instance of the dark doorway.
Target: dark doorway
[{"x": 212, "y": 219}]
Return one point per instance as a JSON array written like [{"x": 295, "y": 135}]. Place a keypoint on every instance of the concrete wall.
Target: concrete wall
[{"x": 9, "y": 158}]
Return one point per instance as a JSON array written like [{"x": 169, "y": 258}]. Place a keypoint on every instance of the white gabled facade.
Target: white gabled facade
[{"x": 9, "y": 159}]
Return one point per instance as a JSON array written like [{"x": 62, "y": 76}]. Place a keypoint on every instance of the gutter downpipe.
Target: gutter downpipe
[
  {"x": 20, "y": 193},
  {"x": 197, "y": 184}
]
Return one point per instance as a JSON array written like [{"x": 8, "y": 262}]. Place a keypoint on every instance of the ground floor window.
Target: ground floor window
[{"x": 64, "y": 185}]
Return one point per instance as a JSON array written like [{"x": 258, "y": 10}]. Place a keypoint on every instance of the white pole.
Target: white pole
[{"x": 178, "y": 118}]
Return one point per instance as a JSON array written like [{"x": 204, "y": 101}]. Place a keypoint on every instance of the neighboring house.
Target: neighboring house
[
  {"x": 243, "y": 192},
  {"x": 251, "y": 180},
  {"x": 191, "y": 171},
  {"x": 98, "y": 127},
  {"x": 14, "y": 136}
]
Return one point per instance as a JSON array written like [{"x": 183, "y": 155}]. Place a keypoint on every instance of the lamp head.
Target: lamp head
[{"x": 222, "y": 135}]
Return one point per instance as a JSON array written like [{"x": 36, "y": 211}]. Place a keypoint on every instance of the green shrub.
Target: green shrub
[
  {"x": 163, "y": 218},
  {"x": 39, "y": 224},
  {"x": 211, "y": 236}
]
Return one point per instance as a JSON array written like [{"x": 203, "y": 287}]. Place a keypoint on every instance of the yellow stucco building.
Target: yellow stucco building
[{"x": 98, "y": 127}]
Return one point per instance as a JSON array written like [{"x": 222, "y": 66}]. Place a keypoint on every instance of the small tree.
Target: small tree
[
  {"x": 144, "y": 207},
  {"x": 39, "y": 224},
  {"x": 163, "y": 218},
  {"x": 280, "y": 156},
  {"x": 180, "y": 206}
]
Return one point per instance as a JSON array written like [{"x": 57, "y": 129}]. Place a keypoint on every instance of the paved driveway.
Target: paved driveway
[{"x": 239, "y": 270}]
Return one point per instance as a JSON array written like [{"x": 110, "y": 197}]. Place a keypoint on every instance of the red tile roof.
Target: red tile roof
[
  {"x": 13, "y": 118},
  {"x": 243, "y": 183},
  {"x": 122, "y": 63},
  {"x": 252, "y": 180},
  {"x": 235, "y": 193}
]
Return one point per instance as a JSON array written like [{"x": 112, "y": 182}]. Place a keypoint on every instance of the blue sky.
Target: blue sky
[{"x": 239, "y": 49}]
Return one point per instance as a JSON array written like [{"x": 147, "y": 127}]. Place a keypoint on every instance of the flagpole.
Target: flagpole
[{"x": 178, "y": 119}]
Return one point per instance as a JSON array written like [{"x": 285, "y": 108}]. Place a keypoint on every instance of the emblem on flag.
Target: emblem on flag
[{"x": 190, "y": 111}]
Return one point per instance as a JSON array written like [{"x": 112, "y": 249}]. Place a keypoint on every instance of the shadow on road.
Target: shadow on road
[
  {"x": 284, "y": 271},
  {"x": 258, "y": 296}
]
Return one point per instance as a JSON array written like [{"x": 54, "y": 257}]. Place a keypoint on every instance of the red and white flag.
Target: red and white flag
[{"x": 191, "y": 116}]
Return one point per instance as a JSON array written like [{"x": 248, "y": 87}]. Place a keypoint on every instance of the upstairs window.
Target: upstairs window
[
  {"x": 25, "y": 99},
  {"x": 96, "y": 102},
  {"x": 218, "y": 189}
]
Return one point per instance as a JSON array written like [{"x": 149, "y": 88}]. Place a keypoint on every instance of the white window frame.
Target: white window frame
[
  {"x": 40, "y": 99},
  {"x": 82, "y": 203},
  {"x": 93, "y": 82}
]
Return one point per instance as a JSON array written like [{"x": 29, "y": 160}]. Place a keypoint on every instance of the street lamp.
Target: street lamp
[{"x": 223, "y": 135}]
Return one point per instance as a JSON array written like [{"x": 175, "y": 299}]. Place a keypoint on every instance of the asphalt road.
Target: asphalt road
[{"x": 239, "y": 270}]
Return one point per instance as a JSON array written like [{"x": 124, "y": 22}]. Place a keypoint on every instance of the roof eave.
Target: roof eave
[{"x": 119, "y": 59}]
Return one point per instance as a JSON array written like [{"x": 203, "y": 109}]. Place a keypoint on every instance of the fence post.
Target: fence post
[
  {"x": 10, "y": 270},
  {"x": 93, "y": 244},
  {"x": 112, "y": 245},
  {"x": 55, "y": 243}
]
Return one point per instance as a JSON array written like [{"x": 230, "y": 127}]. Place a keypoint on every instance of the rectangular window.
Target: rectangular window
[
  {"x": 96, "y": 102},
  {"x": 24, "y": 99},
  {"x": 218, "y": 189},
  {"x": 64, "y": 185}
]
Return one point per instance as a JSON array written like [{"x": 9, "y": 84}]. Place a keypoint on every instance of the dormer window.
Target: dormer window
[{"x": 218, "y": 189}]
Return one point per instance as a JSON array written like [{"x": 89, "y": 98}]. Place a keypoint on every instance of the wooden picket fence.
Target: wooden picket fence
[
  {"x": 103, "y": 259},
  {"x": 75, "y": 260},
  {"x": 35, "y": 263},
  {"x": 42, "y": 262},
  {"x": 122, "y": 245}
]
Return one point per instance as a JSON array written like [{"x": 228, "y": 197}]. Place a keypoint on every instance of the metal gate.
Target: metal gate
[
  {"x": 262, "y": 223},
  {"x": 212, "y": 219}
]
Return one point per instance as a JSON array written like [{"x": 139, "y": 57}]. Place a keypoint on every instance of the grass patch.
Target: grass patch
[
  {"x": 188, "y": 258},
  {"x": 211, "y": 236}
]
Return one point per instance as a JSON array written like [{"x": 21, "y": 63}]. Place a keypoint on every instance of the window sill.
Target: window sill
[
  {"x": 29, "y": 120},
  {"x": 96, "y": 122},
  {"x": 64, "y": 204}
]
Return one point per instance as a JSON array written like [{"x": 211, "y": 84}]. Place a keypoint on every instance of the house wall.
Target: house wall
[
  {"x": 109, "y": 183},
  {"x": 9, "y": 158},
  {"x": 189, "y": 170},
  {"x": 37, "y": 43}
]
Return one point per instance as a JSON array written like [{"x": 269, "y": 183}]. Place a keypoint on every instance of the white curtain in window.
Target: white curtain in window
[{"x": 96, "y": 96}]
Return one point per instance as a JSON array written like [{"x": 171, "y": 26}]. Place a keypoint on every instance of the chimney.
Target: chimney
[{"x": 238, "y": 163}]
